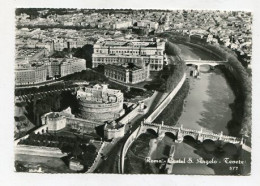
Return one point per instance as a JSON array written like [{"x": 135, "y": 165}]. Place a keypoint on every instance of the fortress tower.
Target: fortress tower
[{"x": 100, "y": 103}]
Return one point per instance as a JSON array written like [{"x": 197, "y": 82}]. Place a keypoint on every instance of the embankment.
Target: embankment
[{"x": 151, "y": 118}]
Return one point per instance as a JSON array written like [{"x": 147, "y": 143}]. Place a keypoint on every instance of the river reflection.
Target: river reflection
[{"x": 207, "y": 105}]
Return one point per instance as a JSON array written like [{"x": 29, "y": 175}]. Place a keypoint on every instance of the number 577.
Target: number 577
[{"x": 233, "y": 168}]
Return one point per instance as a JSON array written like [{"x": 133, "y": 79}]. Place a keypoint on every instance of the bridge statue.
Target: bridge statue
[{"x": 180, "y": 133}]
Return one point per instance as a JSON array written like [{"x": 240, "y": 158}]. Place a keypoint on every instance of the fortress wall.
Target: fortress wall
[
  {"x": 85, "y": 126},
  {"x": 99, "y": 115},
  {"x": 42, "y": 128},
  {"x": 100, "y": 107},
  {"x": 100, "y": 111},
  {"x": 130, "y": 115},
  {"x": 114, "y": 133}
]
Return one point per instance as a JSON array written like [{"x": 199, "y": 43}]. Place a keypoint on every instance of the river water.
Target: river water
[
  {"x": 207, "y": 106},
  {"x": 208, "y": 102}
]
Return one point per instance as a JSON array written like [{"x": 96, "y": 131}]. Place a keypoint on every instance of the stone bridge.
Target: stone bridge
[
  {"x": 196, "y": 34},
  {"x": 200, "y": 62},
  {"x": 179, "y": 133},
  {"x": 40, "y": 95}
]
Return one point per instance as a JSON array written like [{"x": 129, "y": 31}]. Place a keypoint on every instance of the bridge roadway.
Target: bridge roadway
[
  {"x": 204, "y": 62},
  {"x": 211, "y": 63},
  {"x": 180, "y": 133}
]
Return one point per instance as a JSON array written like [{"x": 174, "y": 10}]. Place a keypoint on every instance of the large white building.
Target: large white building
[
  {"x": 38, "y": 71},
  {"x": 26, "y": 73},
  {"x": 123, "y": 24},
  {"x": 148, "y": 24},
  {"x": 132, "y": 51},
  {"x": 128, "y": 73},
  {"x": 72, "y": 65}
]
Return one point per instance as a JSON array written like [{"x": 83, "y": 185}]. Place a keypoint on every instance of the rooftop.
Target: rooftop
[
  {"x": 99, "y": 94},
  {"x": 128, "y": 43},
  {"x": 128, "y": 66},
  {"x": 23, "y": 53}
]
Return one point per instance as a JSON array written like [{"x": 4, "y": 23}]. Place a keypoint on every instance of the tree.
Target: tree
[
  {"x": 76, "y": 150},
  {"x": 91, "y": 149}
]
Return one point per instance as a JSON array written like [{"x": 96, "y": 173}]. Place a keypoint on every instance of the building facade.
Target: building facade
[
  {"x": 123, "y": 24},
  {"x": 128, "y": 73},
  {"x": 56, "y": 120},
  {"x": 71, "y": 65},
  {"x": 26, "y": 74},
  {"x": 53, "y": 69},
  {"x": 100, "y": 103},
  {"x": 133, "y": 51},
  {"x": 113, "y": 130},
  {"x": 148, "y": 24},
  {"x": 38, "y": 71}
]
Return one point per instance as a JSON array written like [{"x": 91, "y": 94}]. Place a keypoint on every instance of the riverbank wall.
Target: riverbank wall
[
  {"x": 151, "y": 118},
  {"x": 126, "y": 146}
]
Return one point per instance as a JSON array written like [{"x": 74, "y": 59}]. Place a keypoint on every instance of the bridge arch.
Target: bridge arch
[
  {"x": 171, "y": 135},
  {"x": 230, "y": 148},
  {"x": 219, "y": 65},
  {"x": 196, "y": 35},
  {"x": 205, "y": 67},
  {"x": 151, "y": 131},
  {"x": 189, "y": 138},
  {"x": 192, "y": 64},
  {"x": 209, "y": 145}
]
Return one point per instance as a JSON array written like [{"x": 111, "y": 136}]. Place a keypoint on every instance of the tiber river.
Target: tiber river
[
  {"x": 209, "y": 98},
  {"x": 207, "y": 106}
]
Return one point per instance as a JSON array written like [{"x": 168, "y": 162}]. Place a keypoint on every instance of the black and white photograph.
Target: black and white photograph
[{"x": 132, "y": 91}]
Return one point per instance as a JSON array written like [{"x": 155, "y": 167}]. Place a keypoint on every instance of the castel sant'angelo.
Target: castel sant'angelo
[{"x": 100, "y": 103}]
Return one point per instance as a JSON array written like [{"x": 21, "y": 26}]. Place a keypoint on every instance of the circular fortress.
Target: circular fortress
[{"x": 100, "y": 103}]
